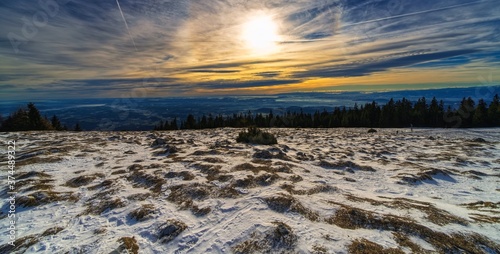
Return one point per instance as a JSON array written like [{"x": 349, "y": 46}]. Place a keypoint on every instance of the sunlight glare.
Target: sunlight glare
[{"x": 260, "y": 34}]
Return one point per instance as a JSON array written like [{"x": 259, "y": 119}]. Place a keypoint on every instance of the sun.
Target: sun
[{"x": 260, "y": 35}]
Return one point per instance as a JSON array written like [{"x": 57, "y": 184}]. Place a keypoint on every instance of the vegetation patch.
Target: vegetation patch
[
  {"x": 290, "y": 188},
  {"x": 354, "y": 218},
  {"x": 101, "y": 206},
  {"x": 274, "y": 153},
  {"x": 102, "y": 185},
  {"x": 143, "y": 213},
  {"x": 255, "y": 135},
  {"x": 285, "y": 203},
  {"x": 266, "y": 179},
  {"x": 170, "y": 230},
  {"x": 32, "y": 174},
  {"x": 424, "y": 175},
  {"x": 144, "y": 180},
  {"x": 119, "y": 172},
  {"x": 345, "y": 165},
  {"x": 254, "y": 169},
  {"x": 184, "y": 175},
  {"x": 278, "y": 239},
  {"x": 129, "y": 244},
  {"x": 23, "y": 243},
  {"x": 434, "y": 215},
  {"x": 82, "y": 180},
  {"x": 45, "y": 197},
  {"x": 364, "y": 246}
]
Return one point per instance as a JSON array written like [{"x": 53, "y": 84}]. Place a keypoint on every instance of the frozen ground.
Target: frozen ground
[{"x": 317, "y": 191}]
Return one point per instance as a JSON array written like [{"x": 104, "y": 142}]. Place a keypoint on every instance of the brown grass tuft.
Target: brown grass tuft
[
  {"x": 101, "y": 206},
  {"x": 44, "y": 197},
  {"x": 143, "y": 213},
  {"x": 82, "y": 180},
  {"x": 170, "y": 230},
  {"x": 129, "y": 244},
  {"x": 278, "y": 239},
  {"x": 364, "y": 246},
  {"x": 285, "y": 203},
  {"x": 354, "y": 218}
]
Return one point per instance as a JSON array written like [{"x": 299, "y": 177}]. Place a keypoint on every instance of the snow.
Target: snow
[{"x": 402, "y": 184}]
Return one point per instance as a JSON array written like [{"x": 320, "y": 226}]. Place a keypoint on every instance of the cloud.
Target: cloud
[
  {"x": 187, "y": 45},
  {"x": 236, "y": 84}
]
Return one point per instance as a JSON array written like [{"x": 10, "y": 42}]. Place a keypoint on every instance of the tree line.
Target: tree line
[
  {"x": 30, "y": 119},
  {"x": 394, "y": 114}
]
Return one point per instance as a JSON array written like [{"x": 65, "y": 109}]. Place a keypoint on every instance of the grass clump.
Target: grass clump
[
  {"x": 278, "y": 239},
  {"x": 45, "y": 197},
  {"x": 353, "y": 218},
  {"x": 170, "y": 230},
  {"x": 286, "y": 203},
  {"x": 129, "y": 244},
  {"x": 104, "y": 205},
  {"x": 142, "y": 213},
  {"x": 255, "y": 135},
  {"x": 82, "y": 180},
  {"x": 364, "y": 246}
]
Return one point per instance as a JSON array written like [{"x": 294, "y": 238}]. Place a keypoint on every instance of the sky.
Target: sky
[{"x": 161, "y": 48}]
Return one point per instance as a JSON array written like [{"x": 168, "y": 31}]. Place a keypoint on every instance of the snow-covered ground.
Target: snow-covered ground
[{"x": 317, "y": 191}]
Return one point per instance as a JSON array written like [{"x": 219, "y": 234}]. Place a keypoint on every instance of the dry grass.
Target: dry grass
[
  {"x": 404, "y": 241},
  {"x": 185, "y": 175},
  {"x": 52, "y": 231},
  {"x": 129, "y": 244},
  {"x": 283, "y": 203},
  {"x": 100, "y": 231},
  {"x": 96, "y": 208},
  {"x": 38, "y": 160},
  {"x": 254, "y": 169},
  {"x": 135, "y": 167},
  {"x": 354, "y": 218},
  {"x": 434, "y": 215},
  {"x": 139, "y": 196},
  {"x": 213, "y": 160},
  {"x": 143, "y": 213},
  {"x": 319, "y": 249},
  {"x": 33, "y": 174},
  {"x": 272, "y": 153},
  {"x": 83, "y": 180},
  {"x": 484, "y": 218},
  {"x": 200, "y": 211},
  {"x": 144, "y": 180},
  {"x": 23, "y": 243},
  {"x": 364, "y": 246},
  {"x": 45, "y": 197},
  {"x": 278, "y": 239},
  {"x": 170, "y": 230},
  {"x": 119, "y": 172},
  {"x": 102, "y": 185},
  {"x": 184, "y": 196},
  {"x": 423, "y": 175},
  {"x": 345, "y": 165},
  {"x": 290, "y": 188}
]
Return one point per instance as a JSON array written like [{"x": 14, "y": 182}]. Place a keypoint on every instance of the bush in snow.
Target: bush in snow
[{"x": 255, "y": 135}]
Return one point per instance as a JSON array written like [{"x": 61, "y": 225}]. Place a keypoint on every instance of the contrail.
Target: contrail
[
  {"x": 413, "y": 13},
  {"x": 126, "y": 25}
]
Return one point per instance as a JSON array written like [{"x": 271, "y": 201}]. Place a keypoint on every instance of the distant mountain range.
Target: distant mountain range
[{"x": 144, "y": 113}]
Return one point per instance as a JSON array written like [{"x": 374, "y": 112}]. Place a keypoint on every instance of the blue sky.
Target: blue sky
[{"x": 153, "y": 48}]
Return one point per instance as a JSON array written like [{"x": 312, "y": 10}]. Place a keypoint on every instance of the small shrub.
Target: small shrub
[
  {"x": 129, "y": 244},
  {"x": 170, "y": 230},
  {"x": 256, "y": 136},
  {"x": 143, "y": 213}
]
